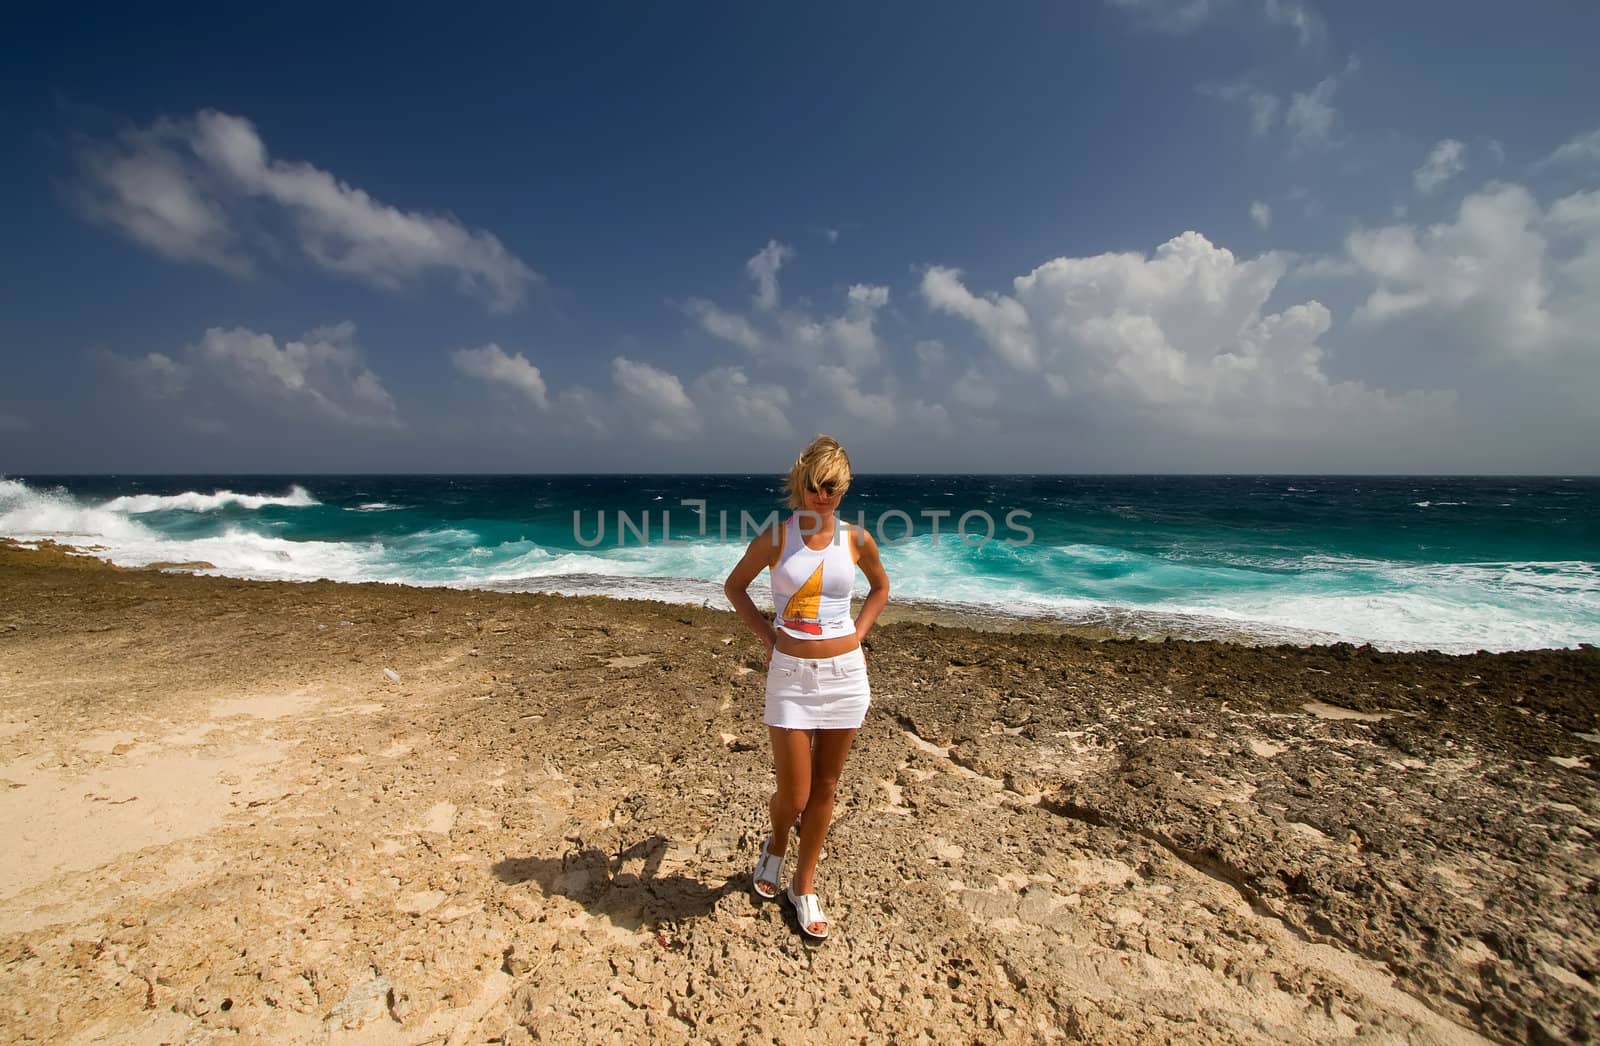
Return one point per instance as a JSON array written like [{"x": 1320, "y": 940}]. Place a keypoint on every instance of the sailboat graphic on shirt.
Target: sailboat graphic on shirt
[{"x": 803, "y": 612}]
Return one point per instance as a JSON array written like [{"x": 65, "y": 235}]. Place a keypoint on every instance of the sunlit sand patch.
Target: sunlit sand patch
[
  {"x": 897, "y": 799},
  {"x": 1266, "y": 749},
  {"x": 367, "y": 708},
  {"x": 1087, "y": 871},
  {"x": 119, "y": 807},
  {"x": 1571, "y": 762},
  {"x": 274, "y": 706},
  {"x": 629, "y": 661},
  {"x": 440, "y": 818},
  {"x": 1232, "y": 791},
  {"x": 927, "y": 746},
  {"x": 113, "y": 741},
  {"x": 616, "y": 927},
  {"x": 1013, "y": 881},
  {"x": 421, "y": 902},
  {"x": 1322, "y": 710}
]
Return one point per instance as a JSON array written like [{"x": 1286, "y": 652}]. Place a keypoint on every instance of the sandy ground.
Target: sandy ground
[{"x": 225, "y": 820}]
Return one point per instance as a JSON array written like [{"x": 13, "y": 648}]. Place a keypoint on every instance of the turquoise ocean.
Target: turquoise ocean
[{"x": 1450, "y": 563}]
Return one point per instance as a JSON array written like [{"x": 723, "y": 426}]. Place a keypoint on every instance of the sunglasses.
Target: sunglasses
[{"x": 827, "y": 489}]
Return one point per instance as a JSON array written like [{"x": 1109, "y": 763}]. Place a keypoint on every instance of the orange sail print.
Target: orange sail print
[{"x": 803, "y": 612}]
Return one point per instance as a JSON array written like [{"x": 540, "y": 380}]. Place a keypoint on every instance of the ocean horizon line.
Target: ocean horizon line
[{"x": 249, "y": 474}]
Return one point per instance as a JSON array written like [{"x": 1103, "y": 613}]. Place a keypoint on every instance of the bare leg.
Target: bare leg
[
  {"x": 791, "y": 758},
  {"x": 828, "y": 752}
]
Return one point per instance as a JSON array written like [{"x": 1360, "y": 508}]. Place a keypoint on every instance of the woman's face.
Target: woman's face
[{"x": 823, "y": 496}]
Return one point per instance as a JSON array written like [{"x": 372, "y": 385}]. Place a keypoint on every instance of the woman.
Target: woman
[{"x": 817, "y": 691}]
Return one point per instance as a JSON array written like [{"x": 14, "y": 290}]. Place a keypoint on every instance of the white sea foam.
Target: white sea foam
[
  {"x": 1270, "y": 594},
  {"x": 376, "y": 506},
  {"x": 193, "y": 501},
  {"x": 35, "y": 515}
]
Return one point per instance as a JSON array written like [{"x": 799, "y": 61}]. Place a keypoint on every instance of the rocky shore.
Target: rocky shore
[{"x": 291, "y": 813}]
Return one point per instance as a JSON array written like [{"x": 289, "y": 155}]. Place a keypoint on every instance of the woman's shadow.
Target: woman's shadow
[{"x": 623, "y": 886}]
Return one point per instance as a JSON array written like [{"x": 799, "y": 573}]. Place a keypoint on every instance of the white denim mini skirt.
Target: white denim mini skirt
[{"x": 818, "y": 693}]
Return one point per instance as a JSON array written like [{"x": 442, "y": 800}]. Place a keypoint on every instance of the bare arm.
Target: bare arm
[
  {"x": 758, "y": 557},
  {"x": 871, "y": 564}
]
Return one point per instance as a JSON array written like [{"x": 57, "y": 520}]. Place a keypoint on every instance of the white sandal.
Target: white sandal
[
  {"x": 769, "y": 869},
  {"x": 808, "y": 910}
]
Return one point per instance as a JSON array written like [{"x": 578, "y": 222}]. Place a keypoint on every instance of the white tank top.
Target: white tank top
[{"x": 811, "y": 587}]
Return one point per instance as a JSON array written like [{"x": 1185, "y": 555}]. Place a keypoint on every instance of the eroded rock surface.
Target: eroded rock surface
[{"x": 543, "y": 830}]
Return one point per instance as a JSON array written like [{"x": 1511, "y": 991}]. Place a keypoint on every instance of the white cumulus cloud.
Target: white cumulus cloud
[
  {"x": 322, "y": 369},
  {"x": 750, "y": 407},
  {"x": 656, "y": 399},
  {"x": 1002, "y": 321},
  {"x": 490, "y": 363},
  {"x": 844, "y": 390},
  {"x": 1182, "y": 333},
  {"x": 1491, "y": 282},
  {"x": 855, "y": 332}
]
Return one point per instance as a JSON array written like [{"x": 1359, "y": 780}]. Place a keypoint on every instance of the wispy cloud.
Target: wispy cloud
[
  {"x": 1311, "y": 117},
  {"x": 727, "y": 326},
  {"x": 1308, "y": 24},
  {"x": 194, "y": 190},
  {"x": 1579, "y": 149},
  {"x": 1171, "y": 16},
  {"x": 763, "y": 268},
  {"x": 1181, "y": 17},
  {"x": 1262, "y": 105},
  {"x": 154, "y": 375},
  {"x": 1445, "y": 160}
]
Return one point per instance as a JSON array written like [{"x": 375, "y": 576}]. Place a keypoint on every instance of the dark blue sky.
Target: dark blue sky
[{"x": 507, "y": 239}]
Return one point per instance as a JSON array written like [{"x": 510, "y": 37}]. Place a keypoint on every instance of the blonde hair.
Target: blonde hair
[{"x": 824, "y": 461}]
